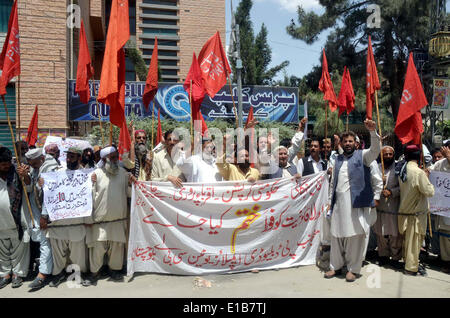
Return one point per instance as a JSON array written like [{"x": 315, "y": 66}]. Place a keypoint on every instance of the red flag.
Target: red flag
[
  {"x": 409, "y": 124},
  {"x": 32, "y": 134},
  {"x": 195, "y": 75},
  {"x": 84, "y": 69},
  {"x": 112, "y": 80},
  {"x": 10, "y": 56},
  {"x": 200, "y": 124},
  {"x": 326, "y": 86},
  {"x": 372, "y": 82},
  {"x": 159, "y": 131},
  {"x": 124, "y": 140},
  {"x": 151, "y": 85},
  {"x": 346, "y": 99},
  {"x": 214, "y": 65}
]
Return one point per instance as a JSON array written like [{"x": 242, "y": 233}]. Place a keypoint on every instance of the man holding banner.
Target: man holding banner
[
  {"x": 107, "y": 235},
  {"x": 39, "y": 164},
  {"x": 442, "y": 222},
  {"x": 67, "y": 236}
]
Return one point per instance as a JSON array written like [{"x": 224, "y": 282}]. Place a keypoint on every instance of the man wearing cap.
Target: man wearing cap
[
  {"x": 443, "y": 223},
  {"x": 67, "y": 236},
  {"x": 164, "y": 162},
  {"x": 14, "y": 245},
  {"x": 39, "y": 164},
  {"x": 53, "y": 150},
  {"x": 97, "y": 158},
  {"x": 351, "y": 199},
  {"x": 415, "y": 188},
  {"x": 200, "y": 167},
  {"x": 107, "y": 235},
  {"x": 389, "y": 241},
  {"x": 140, "y": 155}
]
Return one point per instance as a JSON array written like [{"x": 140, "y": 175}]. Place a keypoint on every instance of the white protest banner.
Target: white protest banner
[
  {"x": 226, "y": 227},
  {"x": 65, "y": 144},
  {"x": 440, "y": 202},
  {"x": 68, "y": 194}
]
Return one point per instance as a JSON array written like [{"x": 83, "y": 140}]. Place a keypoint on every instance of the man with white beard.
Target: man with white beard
[
  {"x": 107, "y": 234},
  {"x": 200, "y": 167}
]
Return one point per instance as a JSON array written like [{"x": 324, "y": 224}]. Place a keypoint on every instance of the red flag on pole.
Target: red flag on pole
[
  {"x": 372, "y": 82},
  {"x": 159, "y": 131},
  {"x": 10, "y": 55},
  {"x": 198, "y": 90},
  {"x": 195, "y": 75},
  {"x": 151, "y": 85},
  {"x": 124, "y": 140},
  {"x": 112, "y": 80},
  {"x": 409, "y": 126},
  {"x": 346, "y": 99},
  {"x": 84, "y": 69},
  {"x": 214, "y": 65},
  {"x": 326, "y": 86},
  {"x": 32, "y": 134}
]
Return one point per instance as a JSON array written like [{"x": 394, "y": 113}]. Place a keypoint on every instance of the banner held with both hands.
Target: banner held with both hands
[{"x": 226, "y": 227}]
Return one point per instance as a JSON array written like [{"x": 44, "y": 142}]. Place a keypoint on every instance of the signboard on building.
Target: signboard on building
[
  {"x": 440, "y": 94},
  {"x": 269, "y": 103}
]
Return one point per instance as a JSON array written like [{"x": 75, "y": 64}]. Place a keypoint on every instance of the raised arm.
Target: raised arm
[{"x": 371, "y": 154}]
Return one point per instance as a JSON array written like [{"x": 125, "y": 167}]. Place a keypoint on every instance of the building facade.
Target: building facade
[{"x": 49, "y": 50}]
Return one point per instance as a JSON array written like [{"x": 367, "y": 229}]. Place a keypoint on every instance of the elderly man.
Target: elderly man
[
  {"x": 285, "y": 169},
  {"x": 140, "y": 169},
  {"x": 39, "y": 164},
  {"x": 200, "y": 167},
  {"x": 351, "y": 200},
  {"x": 415, "y": 188},
  {"x": 442, "y": 223},
  {"x": 67, "y": 237},
  {"x": 164, "y": 162},
  {"x": 107, "y": 235},
  {"x": 389, "y": 241},
  {"x": 14, "y": 246}
]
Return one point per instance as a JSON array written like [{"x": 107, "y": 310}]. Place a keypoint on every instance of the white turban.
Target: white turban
[
  {"x": 107, "y": 151},
  {"x": 33, "y": 153}
]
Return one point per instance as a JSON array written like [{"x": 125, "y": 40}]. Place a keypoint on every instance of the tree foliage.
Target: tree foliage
[
  {"x": 256, "y": 53},
  {"x": 404, "y": 26}
]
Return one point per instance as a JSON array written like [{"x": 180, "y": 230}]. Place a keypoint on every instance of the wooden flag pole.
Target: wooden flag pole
[
  {"x": 347, "y": 122},
  {"x": 18, "y": 160},
  {"x": 326, "y": 119},
  {"x": 99, "y": 115},
  {"x": 18, "y": 110},
  {"x": 381, "y": 137},
  {"x": 234, "y": 105},
  {"x": 190, "y": 104},
  {"x": 423, "y": 167},
  {"x": 153, "y": 123},
  {"x": 110, "y": 133}
]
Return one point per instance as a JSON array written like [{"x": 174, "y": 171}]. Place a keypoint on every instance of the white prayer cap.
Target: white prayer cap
[
  {"x": 34, "y": 153},
  {"x": 277, "y": 149},
  {"x": 107, "y": 151},
  {"x": 357, "y": 140}
]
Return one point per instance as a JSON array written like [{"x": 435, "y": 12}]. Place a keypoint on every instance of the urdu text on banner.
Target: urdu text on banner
[
  {"x": 226, "y": 227},
  {"x": 68, "y": 194}
]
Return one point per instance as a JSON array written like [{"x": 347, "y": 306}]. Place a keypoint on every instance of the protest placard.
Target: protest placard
[
  {"x": 226, "y": 227},
  {"x": 65, "y": 144},
  {"x": 68, "y": 194},
  {"x": 440, "y": 202}
]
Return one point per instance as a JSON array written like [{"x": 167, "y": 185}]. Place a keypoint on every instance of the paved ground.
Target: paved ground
[{"x": 300, "y": 282}]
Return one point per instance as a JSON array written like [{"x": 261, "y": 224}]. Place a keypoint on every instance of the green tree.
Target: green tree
[
  {"x": 256, "y": 53},
  {"x": 404, "y": 26}
]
